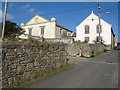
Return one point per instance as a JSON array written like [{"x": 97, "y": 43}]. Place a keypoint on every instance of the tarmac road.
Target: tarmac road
[{"x": 98, "y": 72}]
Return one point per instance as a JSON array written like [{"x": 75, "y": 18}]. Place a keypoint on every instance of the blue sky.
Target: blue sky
[{"x": 68, "y": 14}]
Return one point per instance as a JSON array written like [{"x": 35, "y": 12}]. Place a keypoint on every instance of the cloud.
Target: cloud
[
  {"x": 1, "y": 13},
  {"x": 25, "y": 6},
  {"x": 28, "y": 7},
  {"x": 31, "y": 9},
  {"x": 8, "y": 17},
  {"x": 11, "y": 5}
]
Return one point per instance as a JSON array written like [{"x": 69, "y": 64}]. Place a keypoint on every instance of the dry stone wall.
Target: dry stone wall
[
  {"x": 22, "y": 61},
  {"x": 85, "y": 49}
]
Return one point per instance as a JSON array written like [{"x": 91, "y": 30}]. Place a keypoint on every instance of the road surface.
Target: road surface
[{"x": 98, "y": 72}]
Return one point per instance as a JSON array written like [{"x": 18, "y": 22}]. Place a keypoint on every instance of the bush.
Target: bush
[{"x": 79, "y": 42}]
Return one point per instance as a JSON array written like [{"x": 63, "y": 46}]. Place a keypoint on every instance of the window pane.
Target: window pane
[
  {"x": 97, "y": 28},
  {"x": 86, "y": 29},
  {"x": 42, "y": 29},
  {"x": 98, "y": 38},
  {"x": 60, "y": 30},
  {"x": 30, "y": 31},
  {"x": 87, "y": 39}
]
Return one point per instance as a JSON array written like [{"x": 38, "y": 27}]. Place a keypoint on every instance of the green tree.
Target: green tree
[{"x": 12, "y": 29}]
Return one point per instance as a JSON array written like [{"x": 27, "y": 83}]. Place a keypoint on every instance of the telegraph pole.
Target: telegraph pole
[
  {"x": 5, "y": 11},
  {"x": 99, "y": 14}
]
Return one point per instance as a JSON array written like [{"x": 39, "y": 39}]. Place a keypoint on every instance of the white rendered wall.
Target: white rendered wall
[
  {"x": 49, "y": 31},
  {"x": 106, "y": 30}
]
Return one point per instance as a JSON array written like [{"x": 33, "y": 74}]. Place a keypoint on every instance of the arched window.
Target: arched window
[
  {"x": 97, "y": 28},
  {"x": 87, "y": 29}
]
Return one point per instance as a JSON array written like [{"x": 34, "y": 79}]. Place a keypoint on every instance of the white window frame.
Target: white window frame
[
  {"x": 42, "y": 30},
  {"x": 88, "y": 39},
  {"x": 87, "y": 29}
]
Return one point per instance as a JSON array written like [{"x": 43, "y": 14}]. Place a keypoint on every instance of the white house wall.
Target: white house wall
[
  {"x": 106, "y": 30},
  {"x": 49, "y": 31}
]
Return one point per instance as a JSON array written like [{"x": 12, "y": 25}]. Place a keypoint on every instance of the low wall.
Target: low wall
[
  {"x": 108, "y": 47},
  {"x": 68, "y": 41},
  {"x": 85, "y": 49},
  {"x": 22, "y": 61}
]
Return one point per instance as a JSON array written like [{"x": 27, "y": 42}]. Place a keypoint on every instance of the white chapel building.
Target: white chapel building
[
  {"x": 88, "y": 30},
  {"x": 39, "y": 26}
]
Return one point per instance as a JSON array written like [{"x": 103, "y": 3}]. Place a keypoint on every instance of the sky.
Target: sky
[{"x": 68, "y": 14}]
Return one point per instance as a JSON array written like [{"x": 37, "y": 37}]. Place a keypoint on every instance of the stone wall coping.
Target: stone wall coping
[{"x": 4, "y": 44}]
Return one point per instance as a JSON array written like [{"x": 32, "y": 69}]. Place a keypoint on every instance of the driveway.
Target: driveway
[{"x": 98, "y": 72}]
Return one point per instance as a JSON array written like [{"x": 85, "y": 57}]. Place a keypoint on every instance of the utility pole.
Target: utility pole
[
  {"x": 99, "y": 14},
  {"x": 5, "y": 11}
]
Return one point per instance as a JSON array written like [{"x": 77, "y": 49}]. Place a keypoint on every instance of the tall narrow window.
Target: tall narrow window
[
  {"x": 42, "y": 29},
  {"x": 30, "y": 31},
  {"x": 68, "y": 34},
  {"x": 98, "y": 38},
  {"x": 87, "y": 39},
  {"x": 99, "y": 30},
  {"x": 87, "y": 29},
  {"x": 60, "y": 30}
]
